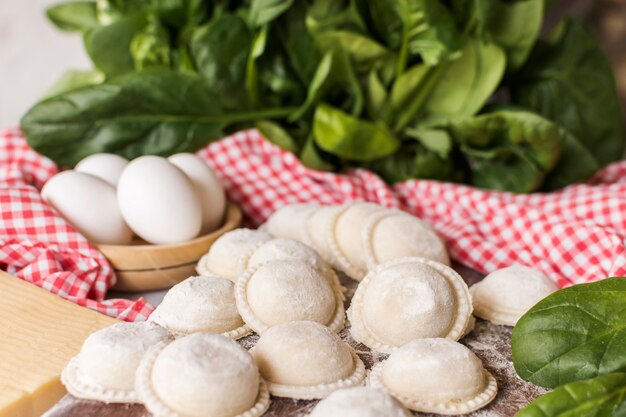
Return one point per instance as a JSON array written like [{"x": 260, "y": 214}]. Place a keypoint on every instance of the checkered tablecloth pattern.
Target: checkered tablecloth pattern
[{"x": 574, "y": 235}]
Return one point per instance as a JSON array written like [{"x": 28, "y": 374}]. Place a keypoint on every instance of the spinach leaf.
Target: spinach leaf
[
  {"x": 365, "y": 52},
  {"x": 220, "y": 50},
  {"x": 313, "y": 157},
  {"x": 509, "y": 150},
  {"x": 472, "y": 16},
  {"x": 109, "y": 46},
  {"x": 72, "y": 80},
  {"x": 156, "y": 112},
  {"x": 568, "y": 79},
  {"x": 335, "y": 77},
  {"x": 252, "y": 69},
  {"x": 375, "y": 95},
  {"x": 74, "y": 16},
  {"x": 429, "y": 154},
  {"x": 277, "y": 135},
  {"x": 264, "y": 11},
  {"x": 467, "y": 82},
  {"x": 576, "y": 164},
  {"x": 151, "y": 46},
  {"x": 602, "y": 396},
  {"x": 574, "y": 334},
  {"x": 326, "y": 15},
  {"x": 349, "y": 137},
  {"x": 515, "y": 25}
]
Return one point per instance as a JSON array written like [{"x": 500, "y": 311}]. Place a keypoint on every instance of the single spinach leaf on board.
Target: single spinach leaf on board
[
  {"x": 264, "y": 11},
  {"x": 515, "y": 25},
  {"x": 509, "y": 150},
  {"x": 602, "y": 396},
  {"x": 574, "y": 334},
  {"x": 151, "y": 46},
  {"x": 109, "y": 46},
  {"x": 349, "y": 137},
  {"x": 158, "y": 112},
  {"x": 220, "y": 50},
  {"x": 568, "y": 79},
  {"x": 73, "y": 79},
  {"x": 467, "y": 82},
  {"x": 75, "y": 16}
]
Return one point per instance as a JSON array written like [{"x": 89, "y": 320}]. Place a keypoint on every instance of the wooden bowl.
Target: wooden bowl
[{"x": 143, "y": 267}]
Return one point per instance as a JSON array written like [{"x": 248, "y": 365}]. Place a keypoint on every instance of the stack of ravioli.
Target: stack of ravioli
[{"x": 280, "y": 283}]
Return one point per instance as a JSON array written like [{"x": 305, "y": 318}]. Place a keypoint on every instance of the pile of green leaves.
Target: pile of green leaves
[
  {"x": 575, "y": 341},
  {"x": 455, "y": 90}
]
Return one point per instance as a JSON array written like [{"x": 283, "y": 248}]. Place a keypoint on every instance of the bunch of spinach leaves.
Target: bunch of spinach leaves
[
  {"x": 575, "y": 340},
  {"x": 455, "y": 90}
]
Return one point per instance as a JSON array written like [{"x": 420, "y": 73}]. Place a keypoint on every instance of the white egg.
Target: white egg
[
  {"x": 107, "y": 166},
  {"x": 208, "y": 187},
  {"x": 158, "y": 201},
  {"x": 90, "y": 205}
]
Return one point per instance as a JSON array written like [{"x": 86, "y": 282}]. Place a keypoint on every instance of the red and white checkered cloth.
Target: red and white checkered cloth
[{"x": 575, "y": 235}]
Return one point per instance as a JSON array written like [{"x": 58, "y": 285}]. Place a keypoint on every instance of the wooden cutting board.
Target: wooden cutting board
[{"x": 490, "y": 342}]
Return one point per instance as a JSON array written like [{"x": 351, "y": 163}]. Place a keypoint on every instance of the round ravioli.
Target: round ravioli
[
  {"x": 290, "y": 221},
  {"x": 282, "y": 249},
  {"x": 505, "y": 295},
  {"x": 306, "y": 360},
  {"x": 394, "y": 234},
  {"x": 344, "y": 237},
  {"x": 435, "y": 376},
  {"x": 223, "y": 256},
  {"x": 407, "y": 299},
  {"x": 360, "y": 402},
  {"x": 201, "y": 375},
  {"x": 276, "y": 292},
  {"x": 201, "y": 304},
  {"x": 320, "y": 228},
  {"x": 105, "y": 368}
]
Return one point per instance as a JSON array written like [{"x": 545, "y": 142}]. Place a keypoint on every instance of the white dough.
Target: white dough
[
  {"x": 319, "y": 227},
  {"x": 304, "y": 359},
  {"x": 104, "y": 370},
  {"x": 436, "y": 376},
  {"x": 393, "y": 234},
  {"x": 280, "y": 291},
  {"x": 407, "y": 299},
  {"x": 281, "y": 249},
  {"x": 224, "y": 255},
  {"x": 359, "y": 402},
  {"x": 505, "y": 295},
  {"x": 201, "y": 375},
  {"x": 290, "y": 221},
  {"x": 201, "y": 304},
  {"x": 345, "y": 238}
]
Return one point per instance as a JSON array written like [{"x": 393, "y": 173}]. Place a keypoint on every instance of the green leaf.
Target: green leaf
[
  {"x": 515, "y": 25},
  {"x": 603, "y": 396},
  {"x": 328, "y": 15},
  {"x": 429, "y": 155},
  {"x": 277, "y": 135},
  {"x": 472, "y": 16},
  {"x": 264, "y": 11},
  {"x": 220, "y": 50},
  {"x": 364, "y": 51},
  {"x": 349, "y": 137},
  {"x": 158, "y": 112},
  {"x": 109, "y": 46},
  {"x": 375, "y": 95},
  {"x": 311, "y": 157},
  {"x": 467, "y": 82},
  {"x": 73, "y": 79},
  {"x": 75, "y": 16},
  {"x": 252, "y": 71},
  {"x": 509, "y": 150},
  {"x": 576, "y": 164},
  {"x": 335, "y": 77},
  {"x": 574, "y": 334},
  {"x": 569, "y": 80},
  {"x": 151, "y": 46}
]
